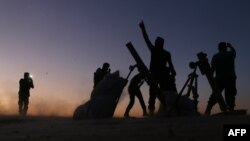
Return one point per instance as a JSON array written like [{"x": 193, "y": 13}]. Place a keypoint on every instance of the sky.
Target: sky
[{"x": 62, "y": 42}]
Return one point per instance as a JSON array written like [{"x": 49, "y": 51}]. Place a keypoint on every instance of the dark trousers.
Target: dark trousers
[
  {"x": 165, "y": 82},
  {"x": 132, "y": 94},
  {"x": 23, "y": 103},
  {"x": 229, "y": 87}
]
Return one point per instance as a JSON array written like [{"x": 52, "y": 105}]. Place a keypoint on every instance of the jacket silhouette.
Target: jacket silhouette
[
  {"x": 160, "y": 62},
  {"x": 100, "y": 73},
  {"x": 24, "y": 93},
  {"x": 223, "y": 65}
]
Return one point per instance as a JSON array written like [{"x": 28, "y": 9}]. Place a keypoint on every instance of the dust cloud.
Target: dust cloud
[{"x": 39, "y": 105}]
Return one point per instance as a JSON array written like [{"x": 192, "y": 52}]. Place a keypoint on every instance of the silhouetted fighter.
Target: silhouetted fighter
[
  {"x": 134, "y": 90},
  {"x": 225, "y": 78},
  {"x": 100, "y": 73},
  {"x": 160, "y": 62},
  {"x": 24, "y": 92}
]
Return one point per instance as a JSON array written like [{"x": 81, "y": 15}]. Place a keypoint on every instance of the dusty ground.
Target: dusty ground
[{"x": 18, "y": 128}]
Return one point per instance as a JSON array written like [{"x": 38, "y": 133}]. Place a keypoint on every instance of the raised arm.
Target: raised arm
[
  {"x": 145, "y": 36},
  {"x": 231, "y": 49},
  {"x": 31, "y": 83}
]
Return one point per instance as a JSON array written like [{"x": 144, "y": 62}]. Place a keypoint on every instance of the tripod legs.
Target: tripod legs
[{"x": 192, "y": 84}]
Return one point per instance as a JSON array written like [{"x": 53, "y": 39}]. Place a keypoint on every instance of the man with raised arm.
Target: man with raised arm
[
  {"x": 160, "y": 60},
  {"x": 222, "y": 65}
]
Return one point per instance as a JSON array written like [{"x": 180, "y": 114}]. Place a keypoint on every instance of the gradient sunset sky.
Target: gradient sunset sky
[{"x": 62, "y": 43}]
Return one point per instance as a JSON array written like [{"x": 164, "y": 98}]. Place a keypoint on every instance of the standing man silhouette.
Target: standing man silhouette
[
  {"x": 223, "y": 64},
  {"x": 100, "y": 73},
  {"x": 24, "y": 92},
  {"x": 160, "y": 59}
]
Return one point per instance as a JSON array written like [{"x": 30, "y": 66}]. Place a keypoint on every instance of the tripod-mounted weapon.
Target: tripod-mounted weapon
[{"x": 192, "y": 83}]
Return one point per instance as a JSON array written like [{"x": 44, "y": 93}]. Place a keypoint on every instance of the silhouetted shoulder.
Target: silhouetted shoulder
[
  {"x": 21, "y": 80},
  {"x": 167, "y": 52},
  {"x": 98, "y": 71}
]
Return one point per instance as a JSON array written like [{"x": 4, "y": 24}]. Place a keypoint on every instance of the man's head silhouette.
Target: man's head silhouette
[
  {"x": 159, "y": 42},
  {"x": 222, "y": 46},
  {"x": 105, "y": 66},
  {"x": 26, "y": 75}
]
